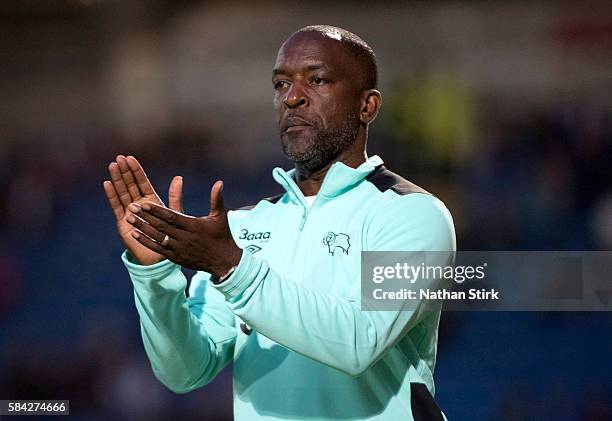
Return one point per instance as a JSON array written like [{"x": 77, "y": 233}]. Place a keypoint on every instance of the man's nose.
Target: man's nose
[{"x": 295, "y": 97}]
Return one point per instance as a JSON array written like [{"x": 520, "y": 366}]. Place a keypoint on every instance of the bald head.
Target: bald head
[{"x": 365, "y": 59}]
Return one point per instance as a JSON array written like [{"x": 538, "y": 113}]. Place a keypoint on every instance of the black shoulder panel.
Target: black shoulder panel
[
  {"x": 271, "y": 199},
  {"x": 384, "y": 180}
]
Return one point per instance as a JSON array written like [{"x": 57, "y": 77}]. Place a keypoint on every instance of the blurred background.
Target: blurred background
[{"x": 502, "y": 109}]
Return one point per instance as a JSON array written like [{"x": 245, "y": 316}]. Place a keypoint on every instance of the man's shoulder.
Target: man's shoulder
[
  {"x": 402, "y": 202},
  {"x": 386, "y": 180}
]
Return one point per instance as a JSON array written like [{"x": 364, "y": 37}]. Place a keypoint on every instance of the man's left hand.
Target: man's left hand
[{"x": 199, "y": 243}]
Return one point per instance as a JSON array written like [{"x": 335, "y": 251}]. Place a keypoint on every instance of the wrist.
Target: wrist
[
  {"x": 224, "y": 270},
  {"x": 220, "y": 279},
  {"x": 131, "y": 257}
]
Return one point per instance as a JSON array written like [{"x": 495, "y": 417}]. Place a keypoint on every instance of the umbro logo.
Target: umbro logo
[
  {"x": 335, "y": 241},
  {"x": 252, "y": 248}
]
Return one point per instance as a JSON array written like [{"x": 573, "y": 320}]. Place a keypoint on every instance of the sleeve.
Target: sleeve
[
  {"x": 328, "y": 328},
  {"x": 188, "y": 341}
]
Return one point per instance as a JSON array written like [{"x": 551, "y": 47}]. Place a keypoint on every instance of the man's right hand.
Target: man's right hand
[{"x": 129, "y": 184}]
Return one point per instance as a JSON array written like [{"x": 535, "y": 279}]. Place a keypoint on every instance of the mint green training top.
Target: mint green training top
[{"x": 289, "y": 317}]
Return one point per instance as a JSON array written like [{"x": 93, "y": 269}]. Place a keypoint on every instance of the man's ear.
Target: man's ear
[{"x": 371, "y": 100}]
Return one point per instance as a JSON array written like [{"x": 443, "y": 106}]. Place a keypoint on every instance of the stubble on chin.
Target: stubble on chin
[
  {"x": 300, "y": 149},
  {"x": 315, "y": 150}
]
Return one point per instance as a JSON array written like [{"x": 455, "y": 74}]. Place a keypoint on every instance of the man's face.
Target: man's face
[{"x": 316, "y": 98}]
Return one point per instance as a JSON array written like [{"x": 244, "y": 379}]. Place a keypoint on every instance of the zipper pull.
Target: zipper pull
[{"x": 303, "y": 221}]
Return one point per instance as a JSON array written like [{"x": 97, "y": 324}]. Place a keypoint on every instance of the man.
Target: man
[{"x": 278, "y": 284}]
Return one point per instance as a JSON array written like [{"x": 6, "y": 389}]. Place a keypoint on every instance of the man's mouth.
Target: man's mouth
[
  {"x": 293, "y": 124},
  {"x": 296, "y": 128}
]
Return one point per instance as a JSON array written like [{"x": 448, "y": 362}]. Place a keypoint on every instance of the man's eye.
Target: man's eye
[
  {"x": 280, "y": 84},
  {"x": 318, "y": 81}
]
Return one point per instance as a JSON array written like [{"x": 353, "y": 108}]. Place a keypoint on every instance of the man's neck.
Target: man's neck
[{"x": 310, "y": 182}]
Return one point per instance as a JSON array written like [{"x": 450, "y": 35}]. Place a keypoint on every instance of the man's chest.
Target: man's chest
[{"x": 320, "y": 249}]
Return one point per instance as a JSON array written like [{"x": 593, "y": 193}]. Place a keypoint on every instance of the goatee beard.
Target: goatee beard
[{"x": 323, "y": 147}]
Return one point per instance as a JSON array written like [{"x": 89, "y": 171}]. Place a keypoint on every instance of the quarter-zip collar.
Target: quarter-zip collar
[{"x": 339, "y": 179}]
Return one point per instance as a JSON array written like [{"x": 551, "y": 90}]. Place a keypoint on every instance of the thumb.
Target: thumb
[
  {"x": 217, "y": 206},
  {"x": 175, "y": 194}
]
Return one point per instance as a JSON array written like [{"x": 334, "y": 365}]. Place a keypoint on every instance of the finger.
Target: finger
[
  {"x": 113, "y": 199},
  {"x": 120, "y": 188},
  {"x": 169, "y": 216},
  {"x": 217, "y": 206},
  {"x": 144, "y": 184},
  {"x": 150, "y": 225},
  {"x": 175, "y": 194},
  {"x": 151, "y": 232},
  {"x": 128, "y": 178},
  {"x": 150, "y": 244}
]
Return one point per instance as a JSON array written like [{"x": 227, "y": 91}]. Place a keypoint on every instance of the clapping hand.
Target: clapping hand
[
  {"x": 129, "y": 184},
  {"x": 153, "y": 232}
]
